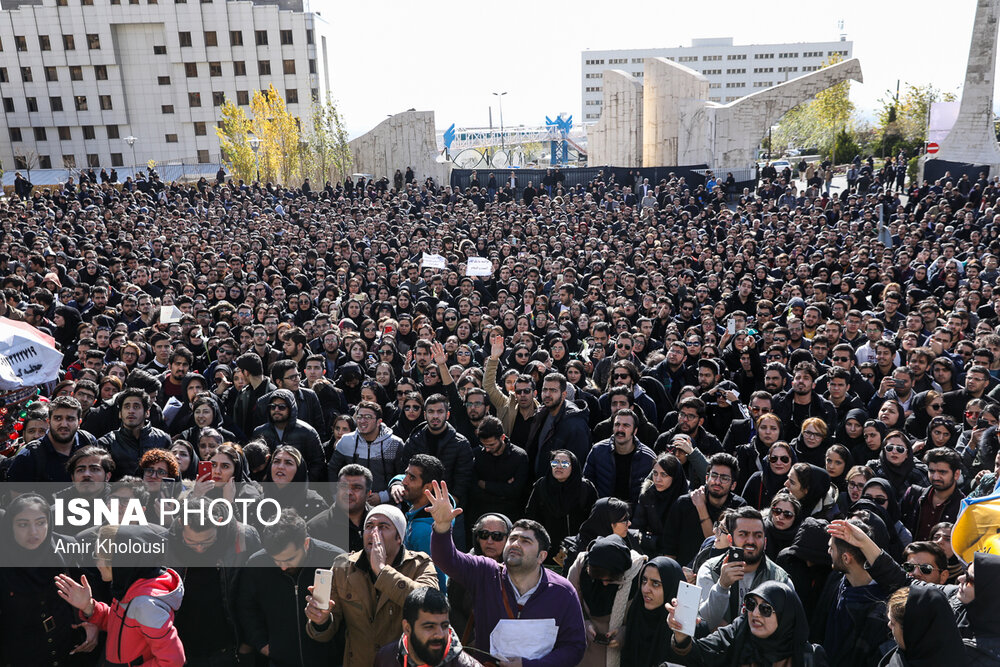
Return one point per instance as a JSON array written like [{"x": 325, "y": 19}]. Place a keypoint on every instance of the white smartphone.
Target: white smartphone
[
  {"x": 322, "y": 583},
  {"x": 688, "y": 600},
  {"x": 732, "y": 326}
]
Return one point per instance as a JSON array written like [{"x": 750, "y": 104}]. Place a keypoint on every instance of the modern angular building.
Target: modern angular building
[
  {"x": 87, "y": 83},
  {"x": 733, "y": 70}
]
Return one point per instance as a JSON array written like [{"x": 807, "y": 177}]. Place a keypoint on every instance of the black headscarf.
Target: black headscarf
[
  {"x": 662, "y": 501},
  {"x": 841, "y": 480},
  {"x": 898, "y": 474},
  {"x": 126, "y": 570},
  {"x": 929, "y": 631},
  {"x": 984, "y": 611},
  {"x": 609, "y": 553},
  {"x": 819, "y": 485},
  {"x": 564, "y": 497},
  {"x": 646, "y": 632},
  {"x": 192, "y": 469},
  {"x": 791, "y": 637},
  {"x": 598, "y": 524},
  {"x": 891, "y": 508},
  {"x": 861, "y": 416}
]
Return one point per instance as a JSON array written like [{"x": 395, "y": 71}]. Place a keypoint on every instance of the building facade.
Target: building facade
[
  {"x": 733, "y": 71},
  {"x": 80, "y": 78}
]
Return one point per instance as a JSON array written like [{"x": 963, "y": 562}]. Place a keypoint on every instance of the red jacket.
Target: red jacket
[{"x": 142, "y": 623}]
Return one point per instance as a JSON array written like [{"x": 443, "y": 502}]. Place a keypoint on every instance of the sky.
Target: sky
[{"x": 450, "y": 56}]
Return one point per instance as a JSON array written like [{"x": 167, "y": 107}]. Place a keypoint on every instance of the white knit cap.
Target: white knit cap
[{"x": 393, "y": 514}]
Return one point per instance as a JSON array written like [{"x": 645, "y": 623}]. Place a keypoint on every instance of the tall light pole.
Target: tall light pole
[
  {"x": 500, "y": 101},
  {"x": 130, "y": 140},
  {"x": 255, "y": 146}
]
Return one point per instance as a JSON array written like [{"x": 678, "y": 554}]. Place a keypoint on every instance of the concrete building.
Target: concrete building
[
  {"x": 732, "y": 70},
  {"x": 77, "y": 77}
]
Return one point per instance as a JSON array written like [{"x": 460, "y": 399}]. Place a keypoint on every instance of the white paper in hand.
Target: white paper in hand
[
  {"x": 478, "y": 266},
  {"x": 433, "y": 262},
  {"x": 688, "y": 599},
  {"x": 530, "y": 639}
]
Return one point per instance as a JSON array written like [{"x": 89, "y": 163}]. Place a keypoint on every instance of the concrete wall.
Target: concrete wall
[
  {"x": 971, "y": 138},
  {"x": 404, "y": 140},
  {"x": 672, "y": 96},
  {"x": 616, "y": 138}
]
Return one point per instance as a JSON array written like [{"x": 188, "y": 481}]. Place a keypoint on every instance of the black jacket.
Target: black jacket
[
  {"x": 38, "y": 461},
  {"x": 913, "y": 499},
  {"x": 298, "y": 434},
  {"x": 126, "y": 450},
  {"x": 501, "y": 494},
  {"x": 683, "y": 534},
  {"x": 454, "y": 452},
  {"x": 571, "y": 431},
  {"x": 818, "y": 407},
  {"x": 271, "y": 608},
  {"x": 309, "y": 411}
]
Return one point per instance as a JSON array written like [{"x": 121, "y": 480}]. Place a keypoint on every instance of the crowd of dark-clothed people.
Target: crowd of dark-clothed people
[{"x": 779, "y": 396}]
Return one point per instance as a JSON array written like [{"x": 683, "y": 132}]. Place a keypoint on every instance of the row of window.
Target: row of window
[
  {"x": 731, "y": 56},
  {"x": 93, "y": 159},
  {"x": 81, "y": 103},
  {"x": 190, "y": 69},
  {"x": 739, "y": 70},
  {"x": 710, "y": 72},
  {"x": 736, "y": 84},
  {"x": 211, "y": 38}
]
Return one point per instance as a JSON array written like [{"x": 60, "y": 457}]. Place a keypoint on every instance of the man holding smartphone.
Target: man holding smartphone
[{"x": 726, "y": 579}]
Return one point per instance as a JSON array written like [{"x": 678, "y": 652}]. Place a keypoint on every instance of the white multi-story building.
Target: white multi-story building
[
  {"x": 733, "y": 70},
  {"x": 77, "y": 77}
]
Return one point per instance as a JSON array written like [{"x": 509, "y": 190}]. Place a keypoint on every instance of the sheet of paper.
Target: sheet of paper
[
  {"x": 523, "y": 638},
  {"x": 688, "y": 597}
]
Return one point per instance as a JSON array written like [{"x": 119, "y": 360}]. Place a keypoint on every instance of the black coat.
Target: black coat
[{"x": 454, "y": 452}]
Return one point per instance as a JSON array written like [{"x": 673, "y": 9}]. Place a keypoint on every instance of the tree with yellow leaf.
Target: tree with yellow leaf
[
  {"x": 233, "y": 140},
  {"x": 278, "y": 131}
]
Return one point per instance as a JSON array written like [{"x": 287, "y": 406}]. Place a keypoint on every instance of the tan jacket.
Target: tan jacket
[
  {"x": 371, "y": 624},
  {"x": 505, "y": 405}
]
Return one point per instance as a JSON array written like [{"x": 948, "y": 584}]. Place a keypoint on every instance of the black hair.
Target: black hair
[{"x": 425, "y": 598}]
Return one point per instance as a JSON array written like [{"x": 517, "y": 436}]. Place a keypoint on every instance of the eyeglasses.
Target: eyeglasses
[
  {"x": 623, "y": 346},
  {"x": 621, "y": 376},
  {"x": 473, "y": 404},
  {"x": 201, "y": 543},
  {"x": 560, "y": 464},
  {"x": 926, "y": 568},
  {"x": 751, "y": 604},
  {"x": 521, "y": 355},
  {"x": 857, "y": 486},
  {"x": 495, "y": 535},
  {"x": 411, "y": 408},
  {"x": 366, "y": 417},
  {"x": 451, "y": 319},
  {"x": 788, "y": 514},
  {"x": 878, "y": 500},
  {"x": 725, "y": 479},
  {"x": 774, "y": 458},
  {"x": 277, "y": 406},
  {"x": 895, "y": 449},
  {"x": 154, "y": 472},
  {"x": 841, "y": 360},
  {"x": 522, "y": 392},
  {"x": 936, "y": 406},
  {"x": 463, "y": 353}
]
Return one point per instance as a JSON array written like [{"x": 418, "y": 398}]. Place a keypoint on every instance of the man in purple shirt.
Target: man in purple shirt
[{"x": 517, "y": 588}]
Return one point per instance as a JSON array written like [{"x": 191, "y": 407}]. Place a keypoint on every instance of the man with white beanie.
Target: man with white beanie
[{"x": 369, "y": 588}]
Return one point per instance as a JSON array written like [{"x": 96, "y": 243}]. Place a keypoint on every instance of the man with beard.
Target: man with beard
[
  {"x": 519, "y": 587},
  {"x": 559, "y": 424},
  {"x": 428, "y": 638},
  {"x": 440, "y": 439},
  {"x": 342, "y": 520},
  {"x": 369, "y": 588},
  {"x": 690, "y": 420},
  {"x": 725, "y": 580},
  {"x": 802, "y": 402},
  {"x": 45, "y": 459},
  {"x": 922, "y": 508},
  {"x": 692, "y": 518},
  {"x": 135, "y": 436}
]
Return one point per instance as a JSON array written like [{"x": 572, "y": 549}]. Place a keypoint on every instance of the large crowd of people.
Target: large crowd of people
[{"x": 779, "y": 396}]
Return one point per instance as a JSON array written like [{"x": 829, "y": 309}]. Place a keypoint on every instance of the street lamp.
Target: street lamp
[
  {"x": 255, "y": 146},
  {"x": 500, "y": 101},
  {"x": 130, "y": 140},
  {"x": 303, "y": 147}
]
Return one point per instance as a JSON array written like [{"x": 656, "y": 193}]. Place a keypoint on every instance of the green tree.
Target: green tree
[
  {"x": 233, "y": 140},
  {"x": 902, "y": 123},
  {"x": 328, "y": 156}
]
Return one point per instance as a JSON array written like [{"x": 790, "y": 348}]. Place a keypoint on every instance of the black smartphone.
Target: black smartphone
[
  {"x": 601, "y": 638},
  {"x": 736, "y": 555},
  {"x": 982, "y": 423}
]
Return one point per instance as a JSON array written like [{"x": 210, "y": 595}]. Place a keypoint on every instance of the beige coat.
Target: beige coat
[
  {"x": 599, "y": 655},
  {"x": 505, "y": 405},
  {"x": 371, "y": 624}
]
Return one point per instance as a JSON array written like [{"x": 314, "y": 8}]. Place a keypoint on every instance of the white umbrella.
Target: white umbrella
[{"x": 28, "y": 357}]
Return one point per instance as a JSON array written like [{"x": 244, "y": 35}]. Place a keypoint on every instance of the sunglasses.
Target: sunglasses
[
  {"x": 750, "y": 604},
  {"x": 788, "y": 514},
  {"x": 937, "y": 406},
  {"x": 522, "y": 392},
  {"x": 495, "y": 535},
  {"x": 877, "y": 501},
  {"x": 774, "y": 458},
  {"x": 926, "y": 568},
  {"x": 559, "y": 464},
  {"x": 897, "y": 449}
]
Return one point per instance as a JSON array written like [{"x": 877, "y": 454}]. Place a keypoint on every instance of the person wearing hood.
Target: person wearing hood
[
  {"x": 371, "y": 445},
  {"x": 896, "y": 464},
  {"x": 348, "y": 380},
  {"x": 558, "y": 424},
  {"x": 644, "y": 640},
  {"x": 807, "y": 561},
  {"x": 139, "y": 621},
  {"x": 810, "y": 485},
  {"x": 427, "y": 640},
  {"x": 923, "y": 626},
  {"x": 561, "y": 500},
  {"x": 37, "y": 625},
  {"x": 772, "y": 630},
  {"x": 925, "y": 406},
  {"x": 603, "y": 577},
  {"x": 285, "y": 375},
  {"x": 212, "y": 549},
  {"x": 287, "y": 482},
  {"x": 67, "y": 321},
  {"x": 665, "y": 484},
  {"x": 205, "y": 413},
  {"x": 135, "y": 436},
  {"x": 284, "y": 428}
]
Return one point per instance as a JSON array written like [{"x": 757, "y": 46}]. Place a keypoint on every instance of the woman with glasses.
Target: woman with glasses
[
  {"x": 879, "y": 495},
  {"x": 666, "y": 483},
  {"x": 772, "y": 475},
  {"x": 924, "y": 407},
  {"x": 561, "y": 499},
  {"x": 602, "y": 577},
  {"x": 781, "y": 522},
  {"x": 896, "y": 464},
  {"x": 772, "y": 630},
  {"x": 410, "y": 417},
  {"x": 811, "y": 443},
  {"x": 752, "y": 456}
]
